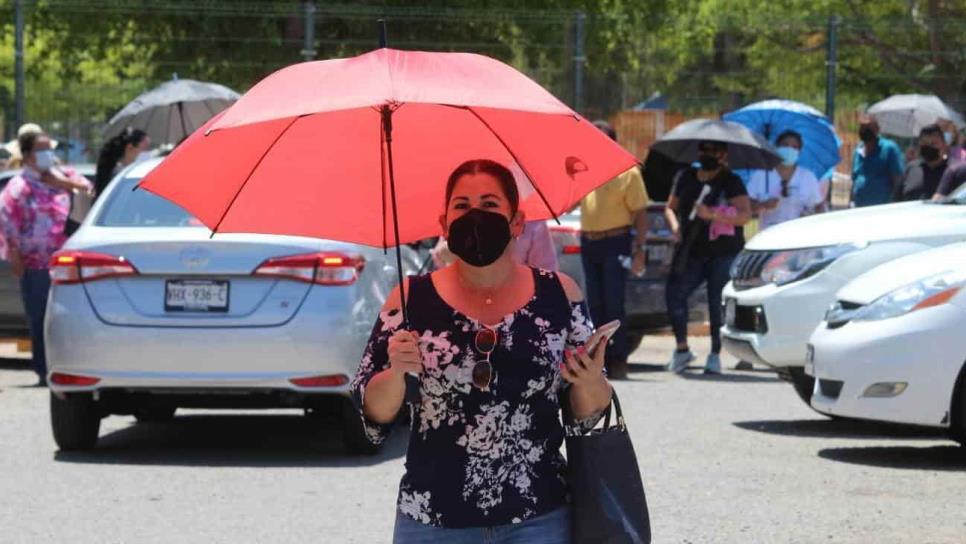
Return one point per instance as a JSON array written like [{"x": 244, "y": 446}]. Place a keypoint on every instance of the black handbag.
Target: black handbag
[{"x": 606, "y": 489}]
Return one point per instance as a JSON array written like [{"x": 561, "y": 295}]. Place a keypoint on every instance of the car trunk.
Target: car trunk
[{"x": 171, "y": 271}]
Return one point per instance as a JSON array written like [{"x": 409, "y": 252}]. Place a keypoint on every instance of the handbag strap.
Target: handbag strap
[{"x": 614, "y": 406}]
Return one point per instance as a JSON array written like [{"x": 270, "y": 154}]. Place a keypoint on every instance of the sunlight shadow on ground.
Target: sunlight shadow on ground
[{"x": 233, "y": 440}]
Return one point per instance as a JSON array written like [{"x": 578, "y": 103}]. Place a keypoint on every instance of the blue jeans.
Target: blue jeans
[
  {"x": 550, "y": 528},
  {"x": 34, "y": 287},
  {"x": 713, "y": 270},
  {"x": 605, "y": 281}
]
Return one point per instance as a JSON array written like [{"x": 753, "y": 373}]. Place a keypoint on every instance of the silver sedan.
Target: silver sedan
[{"x": 149, "y": 313}]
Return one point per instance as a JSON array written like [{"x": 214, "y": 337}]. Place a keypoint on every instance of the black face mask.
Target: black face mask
[
  {"x": 708, "y": 162},
  {"x": 866, "y": 134},
  {"x": 928, "y": 153},
  {"x": 479, "y": 237}
]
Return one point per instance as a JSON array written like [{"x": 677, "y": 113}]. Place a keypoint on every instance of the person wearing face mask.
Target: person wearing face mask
[
  {"x": 33, "y": 215},
  {"x": 707, "y": 209},
  {"x": 922, "y": 176},
  {"x": 877, "y": 166},
  {"x": 54, "y": 174},
  {"x": 955, "y": 151},
  {"x": 130, "y": 146},
  {"x": 787, "y": 192},
  {"x": 494, "y": 343}
]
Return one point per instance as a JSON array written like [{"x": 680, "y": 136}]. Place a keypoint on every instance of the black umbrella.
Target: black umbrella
[
  {"x": 745, "y": 148},
  {"x": 173, "y": 110}
]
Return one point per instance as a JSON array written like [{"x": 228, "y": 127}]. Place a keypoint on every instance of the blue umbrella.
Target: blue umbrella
[{"x": 820, "y": 152}]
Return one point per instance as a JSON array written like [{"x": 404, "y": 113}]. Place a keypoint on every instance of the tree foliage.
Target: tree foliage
[{"x": 87, "y": 58}]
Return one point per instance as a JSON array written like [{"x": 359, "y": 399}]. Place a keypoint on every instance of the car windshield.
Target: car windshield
[{"x": 128, "y": 207}]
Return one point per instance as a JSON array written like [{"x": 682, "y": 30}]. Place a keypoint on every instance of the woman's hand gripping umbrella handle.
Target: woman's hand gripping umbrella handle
[{"x": 405, "y": 358}]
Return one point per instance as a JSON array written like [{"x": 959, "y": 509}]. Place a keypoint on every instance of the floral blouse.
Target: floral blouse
[
  {"x": 483, "y": 458},
  {"x": 32, "y": 219}
]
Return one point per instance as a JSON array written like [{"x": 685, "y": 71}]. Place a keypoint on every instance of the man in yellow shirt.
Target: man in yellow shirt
[{"x": 613, "y": 224}]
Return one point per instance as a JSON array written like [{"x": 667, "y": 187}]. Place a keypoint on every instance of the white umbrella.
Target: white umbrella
[
  {"x": 905, "y": 115},
  {"x": 173, "y": 110}
]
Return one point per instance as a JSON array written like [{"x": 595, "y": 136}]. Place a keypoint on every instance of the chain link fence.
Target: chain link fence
[{"x": 85, "y": 59}]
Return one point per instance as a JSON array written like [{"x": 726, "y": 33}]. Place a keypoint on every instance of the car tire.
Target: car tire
[
  {"x": 957, "y": 410},
  {"x": 354, "y": 433},
  {"x": 154, "y": 414},
  {"x": 75, "y": 421},
  {"x": 803, "y": 384}
]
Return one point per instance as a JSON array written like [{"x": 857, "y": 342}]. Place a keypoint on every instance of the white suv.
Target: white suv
[{"x": 787, "y": 276}]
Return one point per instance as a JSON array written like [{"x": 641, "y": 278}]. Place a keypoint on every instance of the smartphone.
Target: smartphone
[{"x": 602, "y": 335}]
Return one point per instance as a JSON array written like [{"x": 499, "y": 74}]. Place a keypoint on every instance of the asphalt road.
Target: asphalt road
[{"x": 735, "y": 458}]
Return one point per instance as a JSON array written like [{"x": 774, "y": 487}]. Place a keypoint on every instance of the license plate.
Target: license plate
[
  {"x": 656, "y": 254},
  {"x": 730, "y": 305},
  {"x": 196, "y": 296}
]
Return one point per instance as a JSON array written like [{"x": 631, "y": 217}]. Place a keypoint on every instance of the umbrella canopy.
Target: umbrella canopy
[
  {"x": 173, "y": 110},
  {"x": 745, "y": 148},
  {"x": 820, "y": 149},
  {"x": 329, "y": 149},
  {"x": 905, "y": 115}
]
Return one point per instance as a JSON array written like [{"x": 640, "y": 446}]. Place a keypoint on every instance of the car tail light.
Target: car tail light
[
  {"x": 318, "y": 268},
  {"x": 566, "y": 238},
  {"x": 334, "y": 380},
  {"x": 68, "y": 267},
  {"x": 59, "y": 378}
]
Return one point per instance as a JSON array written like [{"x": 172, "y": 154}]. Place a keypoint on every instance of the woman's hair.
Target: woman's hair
[
  {"x": 27, "y": 141},
  {"x": 112, "y": 152},
  {"x": 790, "y": 134},
  {"x": 502, "y": 174}
]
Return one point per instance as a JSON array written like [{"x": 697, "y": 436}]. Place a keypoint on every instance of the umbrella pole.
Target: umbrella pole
[
  {"x": 387, "y": 130},
  {"x": 412, "y": 381},
  {"x": 184, "y": 129}
]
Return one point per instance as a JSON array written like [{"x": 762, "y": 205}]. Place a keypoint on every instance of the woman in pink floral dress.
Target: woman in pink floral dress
[{"x": 32, "y": 218}]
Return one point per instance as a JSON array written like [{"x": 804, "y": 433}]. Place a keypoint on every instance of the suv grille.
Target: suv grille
[{"x": 747, "y": 268}]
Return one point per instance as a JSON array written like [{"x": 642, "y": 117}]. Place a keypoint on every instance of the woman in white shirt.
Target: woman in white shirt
[{"x": 787, "y": 192}]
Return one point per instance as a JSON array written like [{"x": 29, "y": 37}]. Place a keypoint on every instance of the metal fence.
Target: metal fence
[{"x": 85, "y": 59}]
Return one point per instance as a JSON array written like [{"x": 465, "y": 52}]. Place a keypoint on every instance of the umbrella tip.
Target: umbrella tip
[{"x": 383, "y": 33}]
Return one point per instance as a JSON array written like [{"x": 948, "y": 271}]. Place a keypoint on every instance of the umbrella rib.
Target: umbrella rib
[
  {"x": 252, "y": 172},
  {"x": 147, "y": 124},
  {"x": 533, "y": 182},
  {"x": 208, "y": 107}
]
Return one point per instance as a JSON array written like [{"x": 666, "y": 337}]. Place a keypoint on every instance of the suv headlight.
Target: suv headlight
[
  {"x": 797, "y": 264},
  {"x": 932, "y": 291}
]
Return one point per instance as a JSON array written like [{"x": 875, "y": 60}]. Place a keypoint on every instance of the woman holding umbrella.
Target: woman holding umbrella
[
  {"x": 706, "y": 211},
  {"x": 487, "y": 335}
]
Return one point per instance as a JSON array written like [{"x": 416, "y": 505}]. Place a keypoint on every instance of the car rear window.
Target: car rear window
[{"x": 130, "y": 207}]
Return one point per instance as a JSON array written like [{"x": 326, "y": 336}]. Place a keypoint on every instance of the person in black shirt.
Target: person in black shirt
[
  {"x": 921, "y": 178},
  {"x": 954, "y": 177},
  {"x": 706, "y": 212}
]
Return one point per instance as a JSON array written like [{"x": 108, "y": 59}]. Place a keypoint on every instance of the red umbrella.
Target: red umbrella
[{"x": 330, "y": 149}]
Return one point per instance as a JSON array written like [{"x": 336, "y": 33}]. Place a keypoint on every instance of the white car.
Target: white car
[
  {"x": 788, "y": 275},
  {"x": 893, "y": 346},
  {"x": 149, "y": 313}
]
